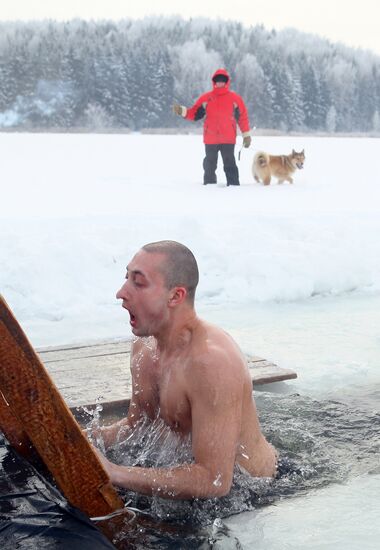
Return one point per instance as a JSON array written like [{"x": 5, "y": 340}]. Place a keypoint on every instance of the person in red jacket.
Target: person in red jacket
[{"x": 222, "y": 109}]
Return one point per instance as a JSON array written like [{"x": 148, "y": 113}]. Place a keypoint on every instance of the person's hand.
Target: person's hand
[
  {"x": 177, "y": 109},
  {"x": 107, "y": 465},
  {"x": 247, "y": 141}
]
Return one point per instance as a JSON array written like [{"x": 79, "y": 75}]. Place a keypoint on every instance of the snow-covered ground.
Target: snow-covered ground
[
  {"x": 292, "y": 271},
  {"x": 75, "y": 207}
]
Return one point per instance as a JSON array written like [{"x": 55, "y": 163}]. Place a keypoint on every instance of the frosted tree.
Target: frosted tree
[
  {"x": 161, "y": 86},
  {"x": 311, "y": 92},
  {"x": 192, "y": 67},
  {"x": 331, "y": 119},
  {"x": 281, "y": 83},
  {"x": 341, "y": 75},
  {"x": 7, "y": 88},
  {"x": 376, "y": 121},
  {"x": 296, "y": 120},
  {"x": 154, "y": 98},
  {"x": 367, "y": 97},
  {"x": 251, "y": 83},
  {"x": 97, "y": 118},
  {"x": 114, "y": 80}
]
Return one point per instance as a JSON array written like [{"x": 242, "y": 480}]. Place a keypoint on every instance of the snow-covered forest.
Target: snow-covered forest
[{"x": 126, "y": 74}]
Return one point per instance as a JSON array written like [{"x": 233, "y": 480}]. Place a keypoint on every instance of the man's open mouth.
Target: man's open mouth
[{"x": 132, "y": 319}]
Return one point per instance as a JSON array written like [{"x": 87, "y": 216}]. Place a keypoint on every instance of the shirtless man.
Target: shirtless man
[{"x": 192, "y": 375}]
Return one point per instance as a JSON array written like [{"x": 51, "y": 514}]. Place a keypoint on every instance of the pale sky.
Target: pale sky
[{"x": 353, "y": 23}]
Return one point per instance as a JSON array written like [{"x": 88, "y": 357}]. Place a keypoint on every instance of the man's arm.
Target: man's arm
[
  {"x": 196, "y": 112},
  {"x": 243, "y": 121},
  {"x": 215, "y": 394},
  {"x": 107, "y": 436}
]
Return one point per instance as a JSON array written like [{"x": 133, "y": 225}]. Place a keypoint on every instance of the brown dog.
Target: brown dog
[{"x": 281, "y": 166}]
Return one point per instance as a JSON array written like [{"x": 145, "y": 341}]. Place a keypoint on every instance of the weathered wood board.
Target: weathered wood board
[
  {"x": 100, "y": 372},
  {"x": 32, "y": 409},
  {"x": 266, "y": 372}
]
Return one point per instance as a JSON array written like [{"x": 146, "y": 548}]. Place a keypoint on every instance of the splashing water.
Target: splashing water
[{"x": 324, "y": 442}]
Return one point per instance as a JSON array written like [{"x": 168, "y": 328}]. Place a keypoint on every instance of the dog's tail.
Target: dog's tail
[{"x": 261, "y": 159}]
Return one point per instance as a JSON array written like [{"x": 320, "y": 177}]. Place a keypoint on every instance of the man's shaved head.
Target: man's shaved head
[{"x": 179, "y": 266}]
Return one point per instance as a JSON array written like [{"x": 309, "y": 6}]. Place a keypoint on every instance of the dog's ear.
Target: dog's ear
[
  {"x": 293, "y": 153},
  {"x": 303, "y": 152}
]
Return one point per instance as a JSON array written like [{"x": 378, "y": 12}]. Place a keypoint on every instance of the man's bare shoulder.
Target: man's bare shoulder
[
  {"x": 214, "y": 350},
  {"x": 217, "y": 373}
]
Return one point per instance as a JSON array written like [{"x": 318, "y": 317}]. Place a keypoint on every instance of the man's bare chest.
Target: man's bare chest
[
  {"x": 165, "y": 395},
  {"x": 174, "y": 403}
]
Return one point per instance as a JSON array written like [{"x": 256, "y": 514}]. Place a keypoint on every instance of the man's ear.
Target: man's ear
[{"x": 177, "y": 296}]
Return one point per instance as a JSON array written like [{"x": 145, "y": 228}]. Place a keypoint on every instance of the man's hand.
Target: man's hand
[
  {"x": 177, "y": 109},
  {"x": 247, "y": 141},
  {"x": 107, "y": 465}
]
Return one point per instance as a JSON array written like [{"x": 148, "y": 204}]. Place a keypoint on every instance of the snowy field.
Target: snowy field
[{"x": 292, "y": 271}]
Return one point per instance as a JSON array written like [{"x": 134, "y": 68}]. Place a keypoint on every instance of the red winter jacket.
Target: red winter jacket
[{"x": 223, "y": 109}]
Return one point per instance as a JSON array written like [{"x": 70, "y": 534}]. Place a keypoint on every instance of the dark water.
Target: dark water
[{"x": 325, "y": 442}]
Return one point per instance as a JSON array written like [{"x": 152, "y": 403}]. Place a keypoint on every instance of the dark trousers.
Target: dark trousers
[{"x": 210, "y": 162}]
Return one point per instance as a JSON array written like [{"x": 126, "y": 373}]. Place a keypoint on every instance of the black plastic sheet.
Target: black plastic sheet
[{"x": 34, "y": 515}]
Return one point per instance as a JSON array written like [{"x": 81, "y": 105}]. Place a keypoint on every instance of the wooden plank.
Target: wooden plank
[
  {"x": 270, "y": 374},
  {"x": 100, "y": 372},
  {"x": 265, "y": 372},
  {"x": 99, "y": 349},
  {"x": 88, "y": 373},
  {"x": 38, "y": 408},
  {"x": 88, "y": 364},
  {"x": 83, "y": 381}
]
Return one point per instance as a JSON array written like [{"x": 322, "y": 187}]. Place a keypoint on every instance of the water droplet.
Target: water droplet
[{"x": 217, "y": 481}]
